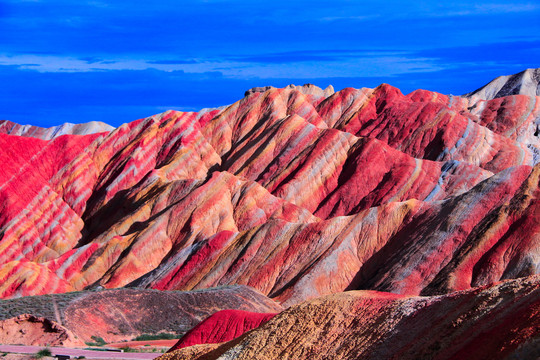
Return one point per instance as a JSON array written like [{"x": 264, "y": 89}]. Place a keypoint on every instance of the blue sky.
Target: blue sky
[{"x": 77, "y": 61}]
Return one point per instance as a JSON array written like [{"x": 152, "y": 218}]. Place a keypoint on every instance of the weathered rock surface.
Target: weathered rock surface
[
  {"x": 298, "y": 192},
  {"x": 123, "y": 314},
  {"x": 494, "y": 322},
  {"x": 526, "y": 82},
  {"x": 93, "y": 127},
  {"x": 32, "y": 330},
  {"x": 222, "y": 326}
]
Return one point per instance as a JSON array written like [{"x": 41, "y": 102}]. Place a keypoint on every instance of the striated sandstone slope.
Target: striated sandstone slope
[
  {"x": 496, "y": 322},
  {"x": 298, "y": 192}
]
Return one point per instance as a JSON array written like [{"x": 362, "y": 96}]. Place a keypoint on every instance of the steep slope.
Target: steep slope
[
  {"x": 298, "y": 192},
  {"x": 494, "y": 322}
]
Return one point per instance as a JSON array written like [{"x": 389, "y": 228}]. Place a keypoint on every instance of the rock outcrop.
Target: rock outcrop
[
  {"x": 305, "y": 89},
  {"x": 493, "y": 322},
  {"x": 38, "y": 331}
]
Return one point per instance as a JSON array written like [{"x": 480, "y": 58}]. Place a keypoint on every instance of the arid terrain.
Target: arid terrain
[
  {"x": 120, "y": 314},
  {"x": 363, "y": 223}
]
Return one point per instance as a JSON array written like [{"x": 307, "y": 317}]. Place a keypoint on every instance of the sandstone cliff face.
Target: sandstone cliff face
[
  {"x": 493, "y": 322},
  {"x": 298, "y": 192}
]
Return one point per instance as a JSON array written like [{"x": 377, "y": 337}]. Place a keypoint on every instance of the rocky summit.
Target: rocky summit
[
  {"x": 417, "y": 200},
  {"x": 526, "y": 82}
]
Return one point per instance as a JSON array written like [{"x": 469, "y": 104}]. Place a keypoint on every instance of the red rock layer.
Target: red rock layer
[
  {"x": 496, "y": 322},
  {"x": 222, "y": 326}
]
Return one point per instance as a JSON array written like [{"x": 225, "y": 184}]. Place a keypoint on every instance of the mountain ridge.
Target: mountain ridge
[{"x": 11, "y": 128}]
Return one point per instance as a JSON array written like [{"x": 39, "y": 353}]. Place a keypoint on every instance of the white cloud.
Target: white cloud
[
  {"x": 382, "y": 64},
  {"x": 356, "y": 18},
  {"x": 482, "y": 9}
]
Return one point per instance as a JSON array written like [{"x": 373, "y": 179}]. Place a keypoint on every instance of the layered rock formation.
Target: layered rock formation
[
  {"x": 495, "y": 322},
  {"x": 298, "y": 192},
  {"x": 123, "y": 314}
]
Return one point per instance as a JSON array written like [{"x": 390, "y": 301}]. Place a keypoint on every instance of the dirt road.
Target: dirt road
[
  {"x": 88, "y": 354},
  {"x": 138, "y": 344}
]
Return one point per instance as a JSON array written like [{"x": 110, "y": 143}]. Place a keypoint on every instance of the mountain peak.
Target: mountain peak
[
  {"x": 526, "y": 82},
  {"x": 305, "y": 89},
  {"x": 92, "y": 127}
]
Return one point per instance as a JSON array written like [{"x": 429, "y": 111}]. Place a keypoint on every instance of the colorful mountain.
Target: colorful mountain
[
  {"x": 301, "y": 193},
  {"x": 298, "y": 192}
]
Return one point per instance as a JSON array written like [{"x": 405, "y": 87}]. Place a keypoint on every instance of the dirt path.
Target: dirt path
[
  {"x": 152, "y": 343},
  {"x": 89, "y": 354}
]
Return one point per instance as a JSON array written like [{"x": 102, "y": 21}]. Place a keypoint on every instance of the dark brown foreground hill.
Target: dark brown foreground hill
[{"x": 497, "y": 322}]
